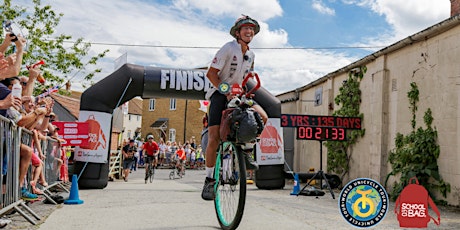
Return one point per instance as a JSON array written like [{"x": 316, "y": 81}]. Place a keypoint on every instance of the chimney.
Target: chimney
[
  {"x": 68, "y": 85},
  {"x": 454, "y": 7}
]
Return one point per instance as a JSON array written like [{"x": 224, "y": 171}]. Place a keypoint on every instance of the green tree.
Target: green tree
[{"x": 64, "y": 58}]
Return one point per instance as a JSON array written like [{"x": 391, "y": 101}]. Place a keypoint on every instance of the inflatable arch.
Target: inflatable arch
[{"x": 132, "y": 80}]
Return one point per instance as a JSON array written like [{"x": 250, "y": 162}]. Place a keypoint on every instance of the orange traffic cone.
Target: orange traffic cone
[{"x": 73, "y": 197}]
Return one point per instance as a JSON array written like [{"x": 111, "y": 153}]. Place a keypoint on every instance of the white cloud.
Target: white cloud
[
  {"x": 205, "y": 23},
  {"x": 189, "y": 24},
  {"x": 319, "y": 6},
  {"x": 283, "y": 70},
  {"x": 413, "y": 15},
  {"x": 260, "y": 10},
  {"x": 407, "y": 17}
]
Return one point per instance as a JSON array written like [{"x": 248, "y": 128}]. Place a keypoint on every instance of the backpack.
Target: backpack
[
  {"x": 225, "y": 125},
  {"x": 240, "y": 125},
  {"x": 411, "y": 207}
]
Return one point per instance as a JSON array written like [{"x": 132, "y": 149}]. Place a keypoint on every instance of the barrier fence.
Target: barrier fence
[
  {"x": 115, "y": 166},
  {"x": 14, "y": 139}
]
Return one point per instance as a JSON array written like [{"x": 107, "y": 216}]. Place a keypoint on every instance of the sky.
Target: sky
[{"x": 299, "y": 41}]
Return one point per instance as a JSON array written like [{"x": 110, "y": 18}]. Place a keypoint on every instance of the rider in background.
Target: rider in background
[
  {"x": 181, "y": 158},
  {"x": 150, "y": 150},
  {"x": 231, "y": 64}
]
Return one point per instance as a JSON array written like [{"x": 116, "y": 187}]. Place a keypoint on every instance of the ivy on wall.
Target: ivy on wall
[
  {"x": 349, "y": 97},
  {"x": 416, "y": 154}
]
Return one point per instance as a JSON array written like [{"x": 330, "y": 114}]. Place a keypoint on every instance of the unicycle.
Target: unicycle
[
  {"x": 230, "y": 167},
  {"x": 230, "y": 187}
]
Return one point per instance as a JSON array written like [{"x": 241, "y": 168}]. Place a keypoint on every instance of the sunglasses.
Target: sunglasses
[{"x": 23, "y": 83}]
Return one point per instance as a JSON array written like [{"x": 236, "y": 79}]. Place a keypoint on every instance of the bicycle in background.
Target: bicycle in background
[
  {"x": 178, "y": 170},
  {"x": 150, "y": 173}
]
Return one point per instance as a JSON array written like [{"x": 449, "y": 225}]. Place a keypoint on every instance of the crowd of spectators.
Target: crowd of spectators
[
  {"x": 168, "y": 155},
  {"x": 35, "y": 115}
]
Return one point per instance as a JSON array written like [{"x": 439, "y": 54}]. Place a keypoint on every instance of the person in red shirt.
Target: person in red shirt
[
  {"x": 150, "y": 151},
  {"x": 181, "y": 156}
]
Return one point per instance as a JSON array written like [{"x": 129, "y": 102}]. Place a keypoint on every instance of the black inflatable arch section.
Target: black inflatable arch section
[{"x": 132, "y": 80}]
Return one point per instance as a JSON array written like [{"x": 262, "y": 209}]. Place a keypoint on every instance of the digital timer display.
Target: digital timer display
[
  {"x": 321, "y": 133},
  {"x": 296, "y": 120}
]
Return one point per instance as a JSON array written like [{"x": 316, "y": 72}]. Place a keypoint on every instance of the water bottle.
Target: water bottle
[
  {"x": 12, "y": 113},
  {"x": 16, "y": 91},
  {"x": 226, "y": 166}
]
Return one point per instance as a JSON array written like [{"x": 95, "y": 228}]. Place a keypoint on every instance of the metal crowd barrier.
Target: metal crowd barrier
[
  {"x": 115, "y": 165},
  {"x": 10, "y": 135},
  {"x": 52, "y": 150}
]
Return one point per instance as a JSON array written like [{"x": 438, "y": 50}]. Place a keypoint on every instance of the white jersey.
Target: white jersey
[
  {"x": 162, "y": 148},
  {"x": 233, "y": 65}
]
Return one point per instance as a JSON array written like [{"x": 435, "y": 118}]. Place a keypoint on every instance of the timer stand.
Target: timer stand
[{"x": 320, "y": 173}]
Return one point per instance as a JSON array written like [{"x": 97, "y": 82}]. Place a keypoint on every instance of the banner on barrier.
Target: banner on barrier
[
  {"x": 97, "y": 148},
  {"x": 73, "y": 133},
  {"x": 270, "y": 148}
]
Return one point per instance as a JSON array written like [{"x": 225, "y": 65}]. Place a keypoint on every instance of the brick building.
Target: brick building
[{"x": 172, "y": 119}]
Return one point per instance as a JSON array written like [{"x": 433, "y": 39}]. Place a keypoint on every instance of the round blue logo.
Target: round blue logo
[
  {"x": 224, "y": 88},
  {"x": 363, "y": 202}
]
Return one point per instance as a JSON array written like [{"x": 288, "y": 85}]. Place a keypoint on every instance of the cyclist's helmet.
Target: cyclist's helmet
[
  {"x": 244, "y": 21},
  {"x": 149, "y": 136}
]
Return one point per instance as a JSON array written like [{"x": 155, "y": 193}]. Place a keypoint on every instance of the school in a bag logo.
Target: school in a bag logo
[
  {"x": 412, "y": 205},
  {"x": 363, "y": 202}
]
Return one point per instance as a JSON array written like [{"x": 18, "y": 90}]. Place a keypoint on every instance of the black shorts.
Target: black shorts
[
  {"x": 148, "y": 159},
  {"x": 218, "y": 103}
]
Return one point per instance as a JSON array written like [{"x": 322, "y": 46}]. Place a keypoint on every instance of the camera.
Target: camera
[{"x": 7, "y": 26}]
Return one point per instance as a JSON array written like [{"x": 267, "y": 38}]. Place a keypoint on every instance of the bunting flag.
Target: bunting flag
[
  {"x": 49, "y": 91},
  {"x": 204, "y": 105}
]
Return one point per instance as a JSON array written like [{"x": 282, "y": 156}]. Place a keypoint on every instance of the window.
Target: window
[
  {"x": 129, "y": 117},
  {"x": 172, "y": 104},
  {"x": 172, "y": 135},
  {"x": 129, "y": 134},
  {"x": 151, "y": 104},
  {"x": 138, "y": 117}
]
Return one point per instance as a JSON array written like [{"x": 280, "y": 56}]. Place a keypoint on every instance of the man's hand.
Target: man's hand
[
  {"x": 34, "y": 72},
  {"x": 40, "y": 111},
  {"x": 3, "y": 62},
  {"x": 49, "y": 103},
  {"x": 20, "y": 43},
  {"x": 8, "y": 39},
  {"x": 11, "y": 59},
  {"x": 11, "y": 101}
]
